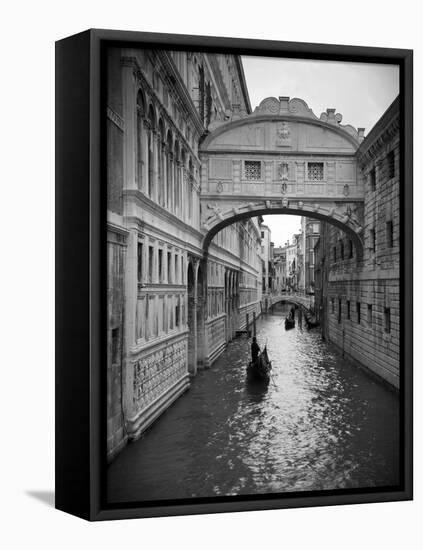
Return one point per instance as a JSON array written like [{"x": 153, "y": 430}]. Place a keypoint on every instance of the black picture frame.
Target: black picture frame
[{"x": 80, "y": 279}]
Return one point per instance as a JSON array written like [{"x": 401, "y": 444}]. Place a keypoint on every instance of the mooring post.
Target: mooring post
[
  {"x": 254, "y": 323},
  {"x": 247, "y": 325}
]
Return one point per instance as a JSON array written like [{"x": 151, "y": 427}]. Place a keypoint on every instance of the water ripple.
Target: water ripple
[{"x": 320, "y": 424}]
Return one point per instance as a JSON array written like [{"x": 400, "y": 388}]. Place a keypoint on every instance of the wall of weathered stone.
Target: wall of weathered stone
[
  {"x": 361, "y": 298},
  {"x": 162, "y": 327}
]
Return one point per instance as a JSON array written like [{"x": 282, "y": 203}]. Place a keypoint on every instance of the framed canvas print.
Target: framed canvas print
[{"x": 234, "y": 274}]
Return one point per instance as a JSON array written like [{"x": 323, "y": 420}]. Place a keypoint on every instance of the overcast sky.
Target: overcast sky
[{"x": 361, "y": 92}]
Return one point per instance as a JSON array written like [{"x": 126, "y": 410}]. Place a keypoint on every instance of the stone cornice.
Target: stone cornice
[{"x": 157, "y": 210}]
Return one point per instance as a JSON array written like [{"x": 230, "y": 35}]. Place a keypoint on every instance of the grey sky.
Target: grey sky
[{"x": 361, "y": 92}]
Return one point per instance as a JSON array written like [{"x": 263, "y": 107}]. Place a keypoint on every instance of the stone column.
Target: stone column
[{"x": 131, "y": 299}]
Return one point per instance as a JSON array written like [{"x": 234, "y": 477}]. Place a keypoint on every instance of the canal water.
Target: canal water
[{"x": 320, "y": 424}]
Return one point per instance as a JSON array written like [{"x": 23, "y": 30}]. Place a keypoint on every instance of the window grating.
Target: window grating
[
  {"x": 252, "y": 169},
  {"x": 315, "y": 171}
]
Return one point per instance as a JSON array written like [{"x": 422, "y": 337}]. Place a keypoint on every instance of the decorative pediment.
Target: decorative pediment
[
  {"x": 279, "y": 124},
  {"x": 284, "y": 106}
]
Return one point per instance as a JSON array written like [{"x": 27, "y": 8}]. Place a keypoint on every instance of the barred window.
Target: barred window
[
  {"x": 252, "y": 169},
  {"x": 315, "y": 171},
  {"x": 391, "y": 164},
  {"x": 372, "y": 179}
]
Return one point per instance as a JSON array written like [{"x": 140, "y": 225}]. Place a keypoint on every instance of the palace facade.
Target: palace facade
[{"x": 169, "y": 312}]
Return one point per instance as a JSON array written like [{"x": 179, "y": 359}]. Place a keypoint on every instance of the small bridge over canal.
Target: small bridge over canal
[{"x": 305, "y": 302}]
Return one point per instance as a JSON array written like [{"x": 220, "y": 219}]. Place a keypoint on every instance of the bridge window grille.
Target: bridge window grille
[
  {"x": 348, "y": 309},
  {"x": 315, "y": 171},
  {"x": 339, "y": 310},
  {"x": 358, "y": 312},
  {"x": 351, "y": 254},
  {"x": 252, "y": 169}
]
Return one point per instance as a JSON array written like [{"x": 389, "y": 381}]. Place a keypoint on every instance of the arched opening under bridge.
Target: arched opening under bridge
[{"x": 340, "y": 221}]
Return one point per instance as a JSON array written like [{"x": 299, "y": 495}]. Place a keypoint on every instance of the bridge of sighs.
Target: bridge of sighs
[{"x": 282, "y": 159}]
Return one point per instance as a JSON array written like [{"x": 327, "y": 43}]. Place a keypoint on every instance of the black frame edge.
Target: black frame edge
[{"x": 72, "y": 384}]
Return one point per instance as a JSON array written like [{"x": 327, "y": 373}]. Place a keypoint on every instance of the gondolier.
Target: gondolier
[{"x": 255, "y": 350}]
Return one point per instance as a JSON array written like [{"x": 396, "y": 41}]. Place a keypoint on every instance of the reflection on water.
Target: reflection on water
[{"x": 319, "y": 424}]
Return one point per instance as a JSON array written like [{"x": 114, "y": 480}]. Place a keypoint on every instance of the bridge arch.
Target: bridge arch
[{"x": 340, "y": 220}]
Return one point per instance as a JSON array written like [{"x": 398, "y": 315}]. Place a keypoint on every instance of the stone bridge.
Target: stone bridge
[
  {"x": 282, "y": 159},
  {"x": 306, "y": 302}
]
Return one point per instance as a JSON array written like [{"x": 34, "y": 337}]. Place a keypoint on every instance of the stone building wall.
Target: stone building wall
[
  {"x": 169, "y": 311},
  {"x": 360, "y": 296}
]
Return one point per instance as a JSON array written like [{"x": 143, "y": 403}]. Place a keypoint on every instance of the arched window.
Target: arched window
[
  {"x": 169, "y": 169},
  {"x": 161, "y": 164},
  {"x": 150, "y": 151},
  {"x": 177, "y": 182},
  {"x": 190, "y": 189},
  {"x": 140, "y": 144},
  {"x": 184, "y": 184}
]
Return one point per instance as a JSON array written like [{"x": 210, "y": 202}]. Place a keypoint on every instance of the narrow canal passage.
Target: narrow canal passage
[{"x": 320, "y": 424}]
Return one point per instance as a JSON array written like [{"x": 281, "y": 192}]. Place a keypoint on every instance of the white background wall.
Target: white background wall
[{"x": 29, "y": 30}]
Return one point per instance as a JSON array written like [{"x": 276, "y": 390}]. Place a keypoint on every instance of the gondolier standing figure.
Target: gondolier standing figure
[{"x": 255, "y": 350}]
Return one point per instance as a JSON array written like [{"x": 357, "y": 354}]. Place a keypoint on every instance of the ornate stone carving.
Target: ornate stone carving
[
  {"x": 158, "y": 371},
  {"x": 215, "y": 209},
  {"x": 283, "y": 171},
  {"x": 117, "y": 119},
  {"x": 350, "y": 217},
  {"x": 283, "y": 135}
]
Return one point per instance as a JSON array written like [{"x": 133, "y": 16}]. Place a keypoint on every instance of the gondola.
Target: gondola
[
  {"x": 260, "y": 369},
  {"x": 289, "y": 323}
]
